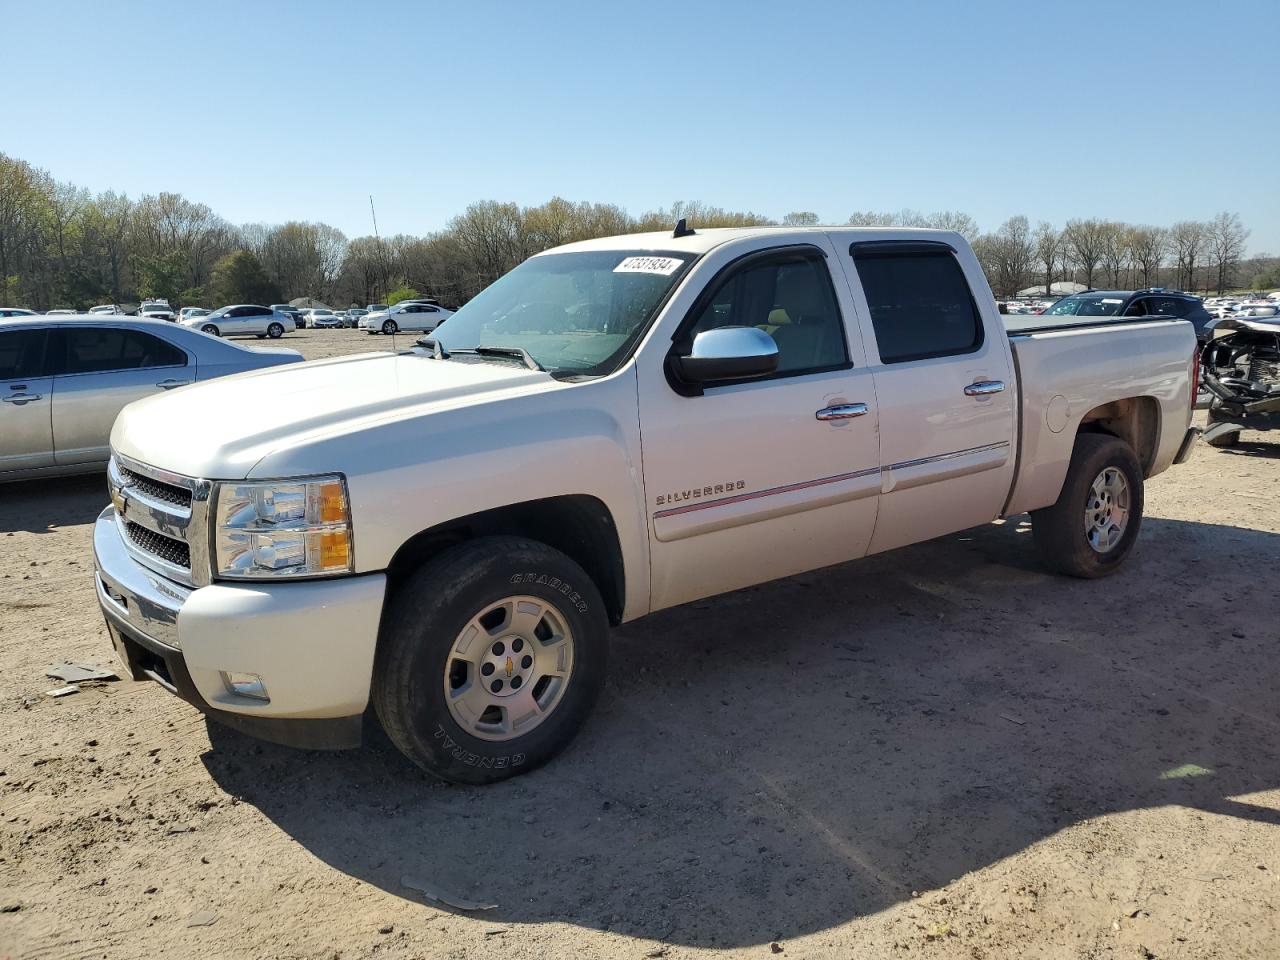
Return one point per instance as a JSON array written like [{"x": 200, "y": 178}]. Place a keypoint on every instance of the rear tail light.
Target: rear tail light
[{"x": 1195, "y": 375}]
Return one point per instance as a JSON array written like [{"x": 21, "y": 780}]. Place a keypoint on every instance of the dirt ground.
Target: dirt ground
[{"x": 942, "y": 752}]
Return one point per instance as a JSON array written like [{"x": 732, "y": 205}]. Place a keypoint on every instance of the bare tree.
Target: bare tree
[
  {"x": 1049, "y": 245},
  {"x": 1147, "y": 246},
  {"x": 1188, "y": 238},
  {"x": 1086, "y": 244},
  {"x": 800, "y": 218},
  {"x": 1226, "y": 238}
]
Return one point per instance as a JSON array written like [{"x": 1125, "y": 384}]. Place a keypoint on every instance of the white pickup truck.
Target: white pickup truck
[{"x": 615, "y": 427}]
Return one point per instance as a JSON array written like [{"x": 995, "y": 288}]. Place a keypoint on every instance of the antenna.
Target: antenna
[
  {"x": 682, "y": 229},
  {"x": 382, "y": 260},
  {"x": 375, "y": 217}
]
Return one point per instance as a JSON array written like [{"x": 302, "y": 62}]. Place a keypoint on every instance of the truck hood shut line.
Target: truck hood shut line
[{"x": 221, "y": 429}]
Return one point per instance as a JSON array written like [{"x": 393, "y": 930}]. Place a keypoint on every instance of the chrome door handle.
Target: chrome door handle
[
  {"x": 171, "y": 383},
  {"x": 842, "y": 411},
  {"x": 21, "y": 398},
  {"x": 984, "y": 388}
]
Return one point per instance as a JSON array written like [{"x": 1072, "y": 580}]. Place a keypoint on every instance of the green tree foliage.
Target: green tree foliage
[
  {"x": 161, "y": 275},
  {"x": 401, "y": 292},
  {"x": 239, "y": 278}
]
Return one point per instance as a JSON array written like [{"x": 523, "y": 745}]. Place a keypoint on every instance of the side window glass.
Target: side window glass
[
  {"x": 792, "y": 300},
  {"x": 22, "y": 354},
  {"x": 920, "y": 304},
  {"x": 102, "y": 349}
]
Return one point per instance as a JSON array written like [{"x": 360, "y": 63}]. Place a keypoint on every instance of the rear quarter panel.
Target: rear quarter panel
[{"x": 1062, "y": 375}]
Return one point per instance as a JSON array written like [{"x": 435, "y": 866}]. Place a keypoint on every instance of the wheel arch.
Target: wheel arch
[
  {"x": 1135, "y": 420},
  {"x": 578, "y": 525}
]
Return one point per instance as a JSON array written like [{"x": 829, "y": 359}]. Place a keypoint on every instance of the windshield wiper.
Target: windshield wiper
[
  {"x": 512, "y": 353},
  {"x": 438, "y": 352}
]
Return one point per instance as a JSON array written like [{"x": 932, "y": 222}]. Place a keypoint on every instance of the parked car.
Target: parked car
[
  {"x": 615, "y": 427},
  {"x": 188, "y": 313},
  {"x": 354, "y": 316},
  {"x": 66, "y": 379},
  {"x": 60, "y": 312},
  {"x": 6, "y": 312},
  {"x": 420, "y": 316},
  {"x": 376, "y": 308},
  {"x": 1133, "y": 303},
  {"x": 244, "y": 320},
  {"x": 322, "y": 318},
  {"x": 299, "y": 319},
  {"x": 156, "y": 310},
  {"x": 106, "y": 310}
]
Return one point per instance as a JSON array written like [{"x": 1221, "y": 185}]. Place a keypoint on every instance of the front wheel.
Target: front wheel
[
  {"x": 389, "y": 327},
  {"x": 275, "y": 331},
  {"x": 491, "y": 656},
  {"x": 210, "y": 329},
  {"x": 1093, "y": 526}
]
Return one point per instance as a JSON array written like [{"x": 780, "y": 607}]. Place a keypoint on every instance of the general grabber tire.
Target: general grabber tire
[
  {"x": 490, "y": 657},
  {"x": 1093, "y": 526}
]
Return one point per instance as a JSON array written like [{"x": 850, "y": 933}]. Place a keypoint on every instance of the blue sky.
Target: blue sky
[{"x": 271, "y": 111}]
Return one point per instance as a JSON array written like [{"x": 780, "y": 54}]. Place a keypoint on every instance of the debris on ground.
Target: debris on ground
[
  {"x": 62, "y": 691},
  {"x": 1018, "y": 720},
  {"x": 202, "y": 918},
  {"x": 458, "y": 903},
  {"x": 76, "y": 672},
  {"x": 775, "y": 947}
]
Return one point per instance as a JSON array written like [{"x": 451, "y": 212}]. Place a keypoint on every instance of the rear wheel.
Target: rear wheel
[
  {"x": 275, "y": 331},
  {"x": 490, "y": 658},
  {"x": 211, "y": 329},
  {"x": 1093, "y": 526},
  {"x": 389, "y": 327},
  {"x": 1225, "y": 439}
]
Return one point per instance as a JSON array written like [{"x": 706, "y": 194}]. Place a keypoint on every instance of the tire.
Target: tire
[
  {"x": 418, "y": 661},
  {"x": 210, "y": 328},
  {"x": 1226, "y": 440},
  {"x": 275, "y": 331},
  {"x": 389, "y": 327},
  {"x": 1063, "y": 531}
]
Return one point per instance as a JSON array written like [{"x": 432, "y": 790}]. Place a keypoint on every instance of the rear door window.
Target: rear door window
[
  {"x": 102, "y": 349},
  {"x": 919, "y": 301}
]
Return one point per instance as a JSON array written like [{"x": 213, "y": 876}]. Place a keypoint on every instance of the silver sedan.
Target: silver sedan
[{"x": 63, "y": 380}]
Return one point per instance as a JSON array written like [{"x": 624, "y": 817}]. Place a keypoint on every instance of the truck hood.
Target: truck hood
[{"x": 222, "y": 428}]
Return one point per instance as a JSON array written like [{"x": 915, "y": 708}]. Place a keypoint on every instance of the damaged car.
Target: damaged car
[{"x": 1241, "y": 371}]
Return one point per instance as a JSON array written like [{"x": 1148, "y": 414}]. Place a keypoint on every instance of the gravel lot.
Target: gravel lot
[{"x": 943, "y": 751}]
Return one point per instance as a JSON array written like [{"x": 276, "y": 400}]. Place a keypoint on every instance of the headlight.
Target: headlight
[{"x": 282, "y": 528}]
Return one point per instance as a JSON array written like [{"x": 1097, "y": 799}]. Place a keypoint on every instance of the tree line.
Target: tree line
[{"x": 61, "y": 246}]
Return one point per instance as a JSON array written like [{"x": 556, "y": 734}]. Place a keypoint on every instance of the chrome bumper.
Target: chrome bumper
[{"x": 131, "y": 596}]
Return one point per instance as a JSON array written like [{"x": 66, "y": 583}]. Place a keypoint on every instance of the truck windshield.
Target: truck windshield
[
  {"x": 1086, "y": 307},
  {"x": 577, "y": 314}
]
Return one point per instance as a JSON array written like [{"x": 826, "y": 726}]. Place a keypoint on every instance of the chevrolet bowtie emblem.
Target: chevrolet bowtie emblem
[
  {"x": 511, "y": 666},
  {"x": 119, "y": 501}
]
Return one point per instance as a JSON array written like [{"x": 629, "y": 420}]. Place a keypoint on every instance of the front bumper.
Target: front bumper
[{"x": 311, "y": 642}]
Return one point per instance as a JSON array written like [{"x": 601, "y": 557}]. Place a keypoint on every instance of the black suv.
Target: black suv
[{"x": 1133, "y": 303}]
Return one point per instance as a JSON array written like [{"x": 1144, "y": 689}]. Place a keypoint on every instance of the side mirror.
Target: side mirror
[{"x": 728, "y": 353}]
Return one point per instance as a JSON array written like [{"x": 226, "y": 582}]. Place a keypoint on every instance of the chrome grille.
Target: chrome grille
[
  {"x": 168, "y": 549},
  {"x": 155, "y": 489},
  {"x": 162, "y": 518}
]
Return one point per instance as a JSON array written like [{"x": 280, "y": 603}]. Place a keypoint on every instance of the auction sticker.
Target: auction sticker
[{"x": 664, "y": 266}]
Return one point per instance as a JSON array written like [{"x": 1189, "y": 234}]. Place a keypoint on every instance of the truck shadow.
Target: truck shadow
[{"x": 780, "y": 760}]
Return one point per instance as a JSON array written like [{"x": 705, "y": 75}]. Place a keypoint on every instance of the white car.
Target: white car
[
  {"x": 188, "y": 313},
  {"x": 105, "y": 310},
  {"x": 16, "y": 312},
  {"x": 615, "y": 427},
  {"x": 322, "y": 318},
  {"x": 244, "y": 320},
  {"x": 156, "y": 310},
  {"x": 59, "y": 313},
  {"x": 417, "y": 316}
]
